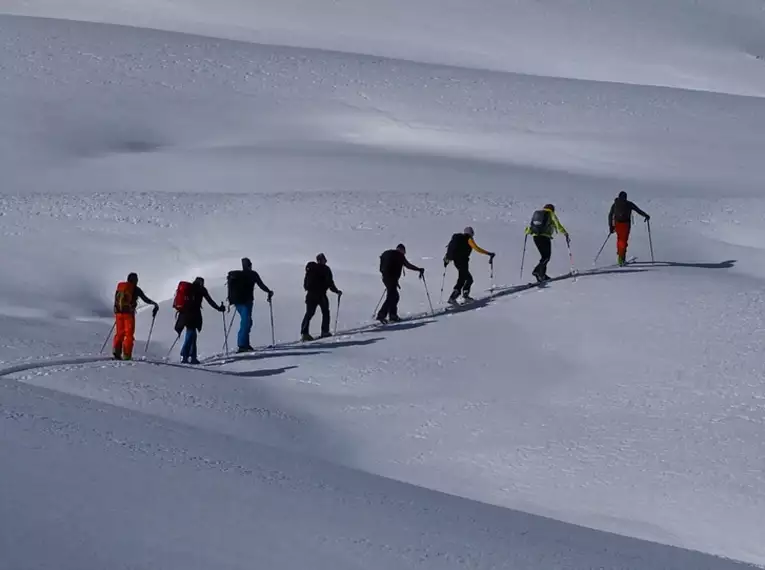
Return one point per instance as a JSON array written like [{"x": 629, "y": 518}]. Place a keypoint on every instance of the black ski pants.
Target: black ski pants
[
  {"x": 464, "y": 278},
  {"x": 544, "y": 245},
  {"x": 312, "y": 302},
  {"x": 389, "y": 309}
]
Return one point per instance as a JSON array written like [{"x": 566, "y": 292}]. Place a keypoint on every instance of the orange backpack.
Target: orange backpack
[{"x": 124, "y": 298}]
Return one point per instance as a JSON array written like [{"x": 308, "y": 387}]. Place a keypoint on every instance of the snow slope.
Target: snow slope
[{"x": 627, "y": 402}]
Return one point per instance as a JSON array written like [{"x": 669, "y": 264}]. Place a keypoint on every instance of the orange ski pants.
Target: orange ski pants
[
  {"x": 124, "y": 334},
  {"x": 622, "y": 230}
]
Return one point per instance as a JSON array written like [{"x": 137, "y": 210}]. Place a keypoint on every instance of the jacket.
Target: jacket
[
  {"x": 392, "y": 263},
  {"x": 621, "y": 212},
  {"x": 191, "y": 316},
  {"x": 460, "y": 248},
  {"x": 553, "y": 227},
  {"x": 318, "y": 279}
]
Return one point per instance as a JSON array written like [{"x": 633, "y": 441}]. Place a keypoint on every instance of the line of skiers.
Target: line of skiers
[{"x": 318, "y": 281}]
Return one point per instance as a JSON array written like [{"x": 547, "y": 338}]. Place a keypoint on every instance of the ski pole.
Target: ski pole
[
  {"x": 151, "y": 330},
  {"x": 523, "y": 256},
  {"x": 172, "y": 346},
  {"x": 273, "y": 334},
  {"x": 443, "y": 282},
  {"x": 225, "y": 334},
  {"x": 570, "y": 255},
  {"x": 379, "y": 303},
  {"x": 650, "y": 239},
  {"x": 428, "y": 294},
  {"x": 491, "y": 272},
  {"x": 337, "y": 313},
  {"x": 111, "y": 330},
  {"x": 602, "y": 247},
  {"x": 228, "y": 332}
]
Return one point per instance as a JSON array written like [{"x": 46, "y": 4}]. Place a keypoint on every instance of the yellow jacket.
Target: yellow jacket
[
  {"x": 554, "y": 227},
  {"x": 475, "y": 247}
]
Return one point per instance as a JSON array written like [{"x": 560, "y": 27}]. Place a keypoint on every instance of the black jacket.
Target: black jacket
[
  {"x": 392, "y": 262},
  {"x": 191, "y": 316},
  {"x": 318, "y": 279},
  {"x": 621, "y": 211}
]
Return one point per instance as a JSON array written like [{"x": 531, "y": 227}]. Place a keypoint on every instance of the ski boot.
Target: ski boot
[
  {"x": 325, "y": 334},
  {"x": 382, "y": 320},
  {"x": 466, "y": 298},
  {"x": 306, "y": 337},
  {"x": 395, "y": 319},
  {"x": 117, "y": 355},
  {"x": 242, "y": 349},
  {"x": 621, "y": 261},
  {"x": 453, "y": 298},
  {"x": 193, "y": 361}
]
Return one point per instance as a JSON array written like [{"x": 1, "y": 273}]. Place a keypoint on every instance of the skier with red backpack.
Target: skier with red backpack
[
  {"x": 458, "y": 251},
  {"x": 188, "y": 303}
]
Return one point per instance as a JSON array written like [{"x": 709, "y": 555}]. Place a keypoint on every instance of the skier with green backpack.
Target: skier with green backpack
[{"x": 544, "y": 224}]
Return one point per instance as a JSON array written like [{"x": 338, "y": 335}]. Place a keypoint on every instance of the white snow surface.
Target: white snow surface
[{"x": 612, "y": 420}]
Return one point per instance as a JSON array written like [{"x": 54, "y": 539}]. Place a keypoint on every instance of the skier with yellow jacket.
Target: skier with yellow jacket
[{"x": 544, "y": 224}]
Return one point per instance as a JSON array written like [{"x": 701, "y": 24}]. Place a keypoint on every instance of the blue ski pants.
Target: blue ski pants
[
  {"x": 245, "y": 324},
  {"x": 189, "y": 348}
]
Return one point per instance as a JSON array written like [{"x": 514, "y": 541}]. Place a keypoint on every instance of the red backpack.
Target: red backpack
[{"x": 184, "y": 295}]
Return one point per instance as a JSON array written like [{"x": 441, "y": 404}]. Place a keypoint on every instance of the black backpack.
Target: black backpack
[
  {"x": 458, "y": 247},
  {"x": 385, "y": 261},
  {"x": 237, "y": 287},
  {"x": 312, "y": 277},
  {"x": 540, "y": 223}
]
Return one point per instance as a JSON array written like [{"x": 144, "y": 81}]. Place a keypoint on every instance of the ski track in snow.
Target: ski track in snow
[{"x": 515, "y": 437}]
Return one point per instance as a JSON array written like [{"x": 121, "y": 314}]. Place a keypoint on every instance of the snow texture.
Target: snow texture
[{"x": 613, "y": 418}]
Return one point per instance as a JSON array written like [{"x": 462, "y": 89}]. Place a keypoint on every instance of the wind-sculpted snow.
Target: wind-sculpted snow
[{"x": 616, "y": 400}]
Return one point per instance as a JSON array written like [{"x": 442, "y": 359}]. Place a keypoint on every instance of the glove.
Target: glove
[
  {"x": 270, "y": 296},
  {"x": 647, "y": 218},
  {"x": 610, "y": 230},
  {"x": 446, "y": 262},
  {"x": 491, "y": 257},
  {"x": 568, "y": 239},
  {"x": 222, "y": 308},
  {"x": 339, "y": 294},
  {"x": 422, "y": 273},
  {"x": 155, "y": 310}
]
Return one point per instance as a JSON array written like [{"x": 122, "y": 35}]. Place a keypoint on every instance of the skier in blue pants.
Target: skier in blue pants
[
  {"x": 190, "y": 318},
  {"x": 241, "y": 294}
]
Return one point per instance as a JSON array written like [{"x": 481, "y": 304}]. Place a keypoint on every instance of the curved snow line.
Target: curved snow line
[{"x": 35, "y": 365}]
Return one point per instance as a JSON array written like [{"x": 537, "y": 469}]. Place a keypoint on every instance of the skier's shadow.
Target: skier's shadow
[{"x": 729, "y": 264}]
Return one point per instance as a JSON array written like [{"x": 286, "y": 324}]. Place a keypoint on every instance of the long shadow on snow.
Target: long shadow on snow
[
  {"x": 324, "y": 346},
  {"x": 249, "y": 357},
  {"x": 399, "y": 327},
  {"x": 722, "y": 265}
]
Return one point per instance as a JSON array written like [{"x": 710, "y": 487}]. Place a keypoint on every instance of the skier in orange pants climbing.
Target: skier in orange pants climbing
[
  {"x": 620, "y": 221},
  {"x": 125, "y": 303}
]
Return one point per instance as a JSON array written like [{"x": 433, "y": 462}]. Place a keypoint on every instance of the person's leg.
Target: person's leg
[
  {"x": 245, "y": 324},
  {"x": 468, "y": 282},
  {"x": 119, "y": 335},
  {"x": 547, "y": 254},
  {"x": 324, "y": 306},
  {"x": 544, "y": 247},
  {"x": 129, "y": 342},
  {"x": 385, "y": 307},
  {"x": 622, "y": 230},
  {"x": 193, "y": 349},
  {"x": 394, "y": 298},
  {"x": 187, "y": 342},
  {"x": 310, "y": 311}
]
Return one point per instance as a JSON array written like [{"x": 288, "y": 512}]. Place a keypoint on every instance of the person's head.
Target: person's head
[
  {"x": 550, "y": 207},
  {"x": 400, "y": 247},
  {"x": 133, "y": 278},
  {"x": 246, "y": 263},
  {"x": 622, "y": 195},
  {"x": 199, "y": 282},
  {"x": 469, "y": 231},
  {"x": 321, "y": 259}
]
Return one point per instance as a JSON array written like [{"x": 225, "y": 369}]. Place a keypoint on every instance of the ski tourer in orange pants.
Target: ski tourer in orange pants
[
  {"x": 125, "y": 303},
  {"x": 620, "y": 221}
]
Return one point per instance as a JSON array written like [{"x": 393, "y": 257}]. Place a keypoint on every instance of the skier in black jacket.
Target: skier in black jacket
[
  {"x": 459, "y": 249},
  {"x": 318, "y": 280},
  {"x": 620, "y": 221},
  {"x": 190, "y": 318},
  {"x": 392, "y": 263}
]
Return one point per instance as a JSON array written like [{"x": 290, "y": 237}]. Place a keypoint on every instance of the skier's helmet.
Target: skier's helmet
[
  {"x": 469, "y": 231},
  {"x": 622, "y": 195},
  {"x": 550, "y": 207},
  {"x": 246, "y": 263},
  {"x": 132, "y": 278},
  {"x": 401, "y": 247},
  {"x": 321, "y": 258}
]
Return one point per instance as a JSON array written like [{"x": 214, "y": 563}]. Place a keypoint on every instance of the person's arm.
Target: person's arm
[
  {"x": 634, "y": 208},
  {"x": 213, "y": 304},
  {"x": 558, "y": 225},
  {"x": 332, "y": 286},
  {"x": 263, "y": 287},
  {"x": 479, "y": 249},
  {"x": 142, "y": 296},
  {"x": 412, "y": 267}
]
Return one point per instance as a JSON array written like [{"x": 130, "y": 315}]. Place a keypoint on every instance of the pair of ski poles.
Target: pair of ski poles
[
  {"x": 148, "y": 339},
  {"x": 427, "y": 293},
  {"x": 227, "y": 330},
  {"x": 570, "y": 254},
  {"x": 650, "y": 243}
]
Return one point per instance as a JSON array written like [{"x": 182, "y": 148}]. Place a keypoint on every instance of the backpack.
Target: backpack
[
  {"x": 385, "y": 261},
  {"x": 310, "y": 282},
  {"x": 124, "y": 298},
  {"x": 540, "y": 223},
  {"x": 184, "y": 295},
  {"x": 458, "y": 248},
  {"x": 236, "y": 282}
]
